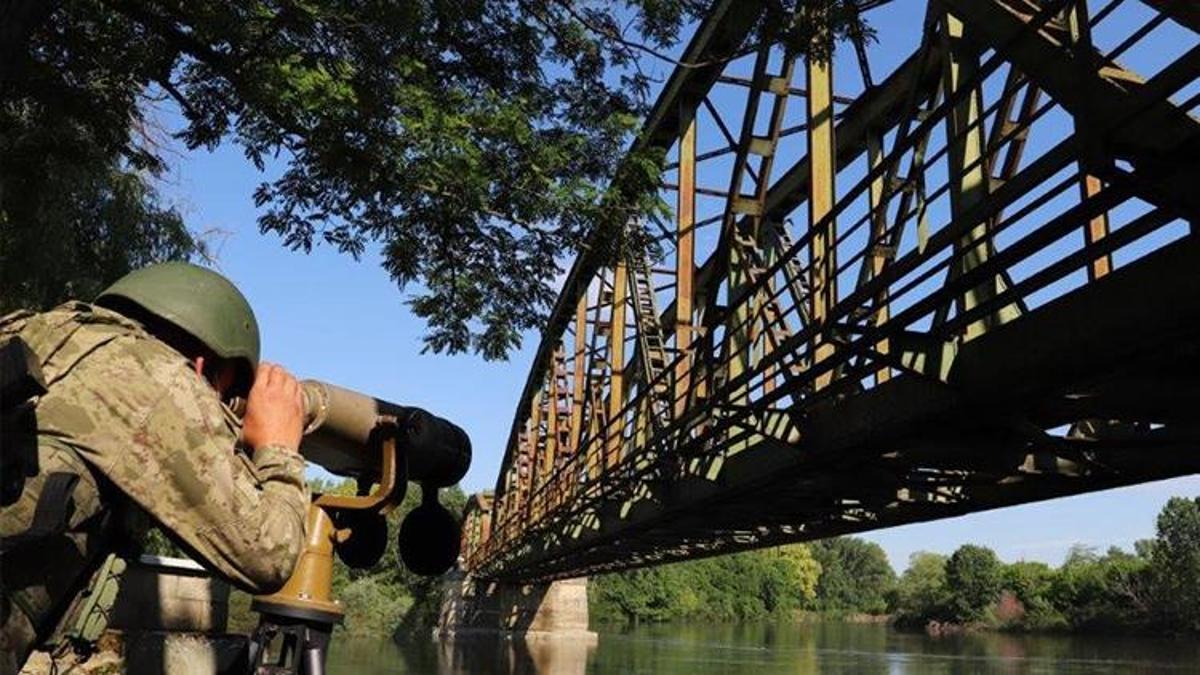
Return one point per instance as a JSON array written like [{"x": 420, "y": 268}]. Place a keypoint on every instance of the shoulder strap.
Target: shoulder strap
[{"x": 52, "y": 514}]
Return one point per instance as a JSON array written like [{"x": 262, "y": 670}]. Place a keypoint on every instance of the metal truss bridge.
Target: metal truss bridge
[{"x": 971, "y": 282}]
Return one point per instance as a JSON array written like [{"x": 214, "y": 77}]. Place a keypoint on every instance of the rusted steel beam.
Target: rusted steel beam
[
  {"x": 553, "y": 421},
  {"x": 616, "y": 379},
  {"x": 879, "y": 229},
  {"x": 822, "y": 165},
  {"x": 599, "y": 367},
  {"x": 968, "y": 176},
  {"x": 735, "y": 354},
  {"x": 1097, "y": 228},
  {"x": 793, "y": 90},
  {"x": 717, "y": 38},
  {"x": 1080, "y": 36},
  {"x": 579, "y": 376},
  {"x": 532, "y": 438},
  {"x": 685, "y": 257},
  {"x": 1133, "y": 118}
]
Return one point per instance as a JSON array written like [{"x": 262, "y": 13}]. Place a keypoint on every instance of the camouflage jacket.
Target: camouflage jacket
[{"x": 135, "y": 410}]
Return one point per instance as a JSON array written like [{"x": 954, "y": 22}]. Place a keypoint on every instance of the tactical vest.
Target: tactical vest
[{"x": 56, "y": 522}]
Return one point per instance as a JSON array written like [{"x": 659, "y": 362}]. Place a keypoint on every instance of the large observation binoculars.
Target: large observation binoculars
[
  {"x": 342, "y": 427},
  {"x": 389, "y": 445},
  {"x": 383, "y": 446}
]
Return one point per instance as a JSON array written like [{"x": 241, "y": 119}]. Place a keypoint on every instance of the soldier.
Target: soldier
[{"x": 133, "y": 422}]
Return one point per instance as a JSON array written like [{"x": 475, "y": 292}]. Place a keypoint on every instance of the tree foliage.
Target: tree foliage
[
  {"x": 1032, "y": 584},
  {"x": 974, "y": 578},
  {"x": 856, "y": 576},
  {"x": 735, "y": 587},
  {"x": 76, "y": 212},
  {"x": 1152, "y": 588},
  {"x": 472, "y": 142},
  {"x": 1175, "y": 559},
  {"x": 921, "y": 592},
  {"x": 469, "y": 140}
]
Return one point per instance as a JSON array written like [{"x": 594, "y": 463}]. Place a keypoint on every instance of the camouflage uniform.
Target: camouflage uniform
[{"x": 153, "y": 434}]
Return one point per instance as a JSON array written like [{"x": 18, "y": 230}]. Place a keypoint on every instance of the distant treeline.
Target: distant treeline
[
  {"x": 1154, "y": 587},
  {"x": 840, "y": 576}
]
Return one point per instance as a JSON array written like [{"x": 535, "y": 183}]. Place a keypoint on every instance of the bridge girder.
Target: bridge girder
[{"x": 989, "y": 300}]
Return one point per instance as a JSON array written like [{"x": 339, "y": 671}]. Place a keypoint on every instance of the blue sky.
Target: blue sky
[{"x": 325, "y": 316}]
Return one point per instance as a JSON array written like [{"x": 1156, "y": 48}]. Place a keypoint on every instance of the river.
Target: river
[{"x": 762, "y": 648}]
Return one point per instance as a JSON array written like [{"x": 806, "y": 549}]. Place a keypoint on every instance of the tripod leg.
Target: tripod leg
[
  {"x": 316, "y": 647},
  {"x": 302, "y": 646},
  {"x": 314, "y": 661}
]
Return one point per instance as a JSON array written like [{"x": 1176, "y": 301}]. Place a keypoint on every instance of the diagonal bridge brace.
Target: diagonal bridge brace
[{"x": 1131, "y": 118}]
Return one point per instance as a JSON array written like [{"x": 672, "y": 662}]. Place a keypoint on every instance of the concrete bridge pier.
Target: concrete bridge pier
[{"x": 544, "y": 625}]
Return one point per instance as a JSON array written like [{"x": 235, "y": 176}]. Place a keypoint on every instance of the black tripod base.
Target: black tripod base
[{"x": 284, "y": 645}]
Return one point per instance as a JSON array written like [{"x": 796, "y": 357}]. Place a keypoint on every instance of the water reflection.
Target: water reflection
[
  {"x": 827, "y": 647},
  {"x": 475, "y": 655},
  {"x": 517, "y": 656}
]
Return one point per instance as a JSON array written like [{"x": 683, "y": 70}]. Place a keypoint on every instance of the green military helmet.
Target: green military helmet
[{"x": 198, "y": 301}]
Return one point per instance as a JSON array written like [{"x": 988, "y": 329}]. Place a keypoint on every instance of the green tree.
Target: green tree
[
  {"x": 740, "y": 586},
  {"x": 78, "y": 208},
  {"x": 855, "y": 576},
  {"x": 472, "y": 142},
  {"x": 1175, "y": 563},
  {"x": 973, "y": 577},
  {"x": 798, "y": 572},
  {"x": 1103, "y": 592},
  {"x": 1032, "y": 584},
  {"x": 921, "y": 593},
  {"x": 644, "y": 595},
  {"x": 73, "y": 218}
]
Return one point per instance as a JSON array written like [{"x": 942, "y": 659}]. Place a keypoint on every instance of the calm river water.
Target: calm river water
[{"x": 763, "y": 648}]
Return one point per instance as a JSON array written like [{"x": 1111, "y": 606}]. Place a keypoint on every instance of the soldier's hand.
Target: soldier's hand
[{"x": 274, "y": 409}]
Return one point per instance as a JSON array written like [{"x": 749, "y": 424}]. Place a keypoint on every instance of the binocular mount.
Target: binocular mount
[{"x": 382, "y": 445}]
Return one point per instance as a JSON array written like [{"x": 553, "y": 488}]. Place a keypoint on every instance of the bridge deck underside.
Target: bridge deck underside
[
  {"x": 970, "y": 284},
  {"x": 951, "y": 445}
]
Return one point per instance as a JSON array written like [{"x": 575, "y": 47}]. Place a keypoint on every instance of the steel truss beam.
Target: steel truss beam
[{"x": 953, "y": 291}]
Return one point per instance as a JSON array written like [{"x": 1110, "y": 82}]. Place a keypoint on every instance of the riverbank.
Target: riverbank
[
  {"x": 847, "y": 617},
  {"x": 1153, "y": 588}
]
